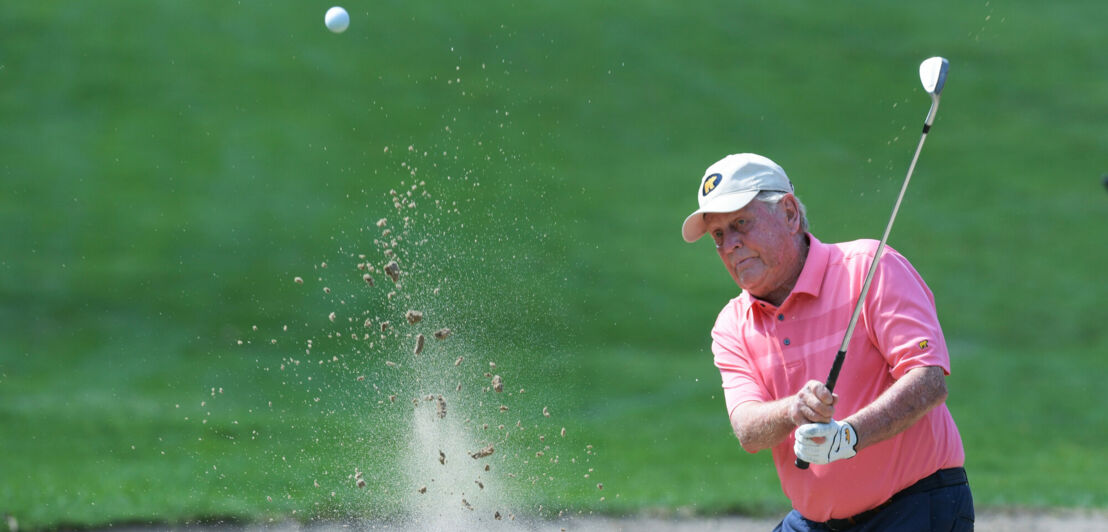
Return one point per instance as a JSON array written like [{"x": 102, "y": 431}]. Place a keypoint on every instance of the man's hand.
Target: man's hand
[
  {"x": 823, "y": 443},
  {"x": 764, "y": 425},
  {"x": 814, "y": 403}
]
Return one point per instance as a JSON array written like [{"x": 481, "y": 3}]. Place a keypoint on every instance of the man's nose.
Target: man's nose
[{"x": 731, "y": 240}]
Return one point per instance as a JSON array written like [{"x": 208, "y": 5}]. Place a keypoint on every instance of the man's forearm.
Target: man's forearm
[
  {"x": 899, "y": 407},
  {"x": 762, "y": 425}
]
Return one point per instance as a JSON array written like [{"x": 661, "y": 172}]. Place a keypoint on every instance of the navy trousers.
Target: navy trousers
[{"x": 947, "y": 508}]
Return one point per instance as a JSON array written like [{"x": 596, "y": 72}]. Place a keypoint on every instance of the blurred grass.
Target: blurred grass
[{"x": 169, "y": 168}]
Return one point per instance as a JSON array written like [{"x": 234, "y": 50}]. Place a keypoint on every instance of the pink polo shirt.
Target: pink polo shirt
[{"x": 765, "y": 353}]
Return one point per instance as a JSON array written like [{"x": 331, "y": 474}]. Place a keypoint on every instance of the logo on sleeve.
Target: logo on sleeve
[
  {"x": 710, "y": 183},
  {"x": 923, "y": 344}
]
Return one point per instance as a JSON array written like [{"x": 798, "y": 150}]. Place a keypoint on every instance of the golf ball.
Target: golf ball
[{"x": 337, "y": 19}]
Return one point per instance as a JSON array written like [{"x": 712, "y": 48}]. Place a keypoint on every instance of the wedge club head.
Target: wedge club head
[{"x": 932, "y": 73}]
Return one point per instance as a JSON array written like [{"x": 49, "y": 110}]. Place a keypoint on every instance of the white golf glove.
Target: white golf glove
[{"x": 839, "y": 442}]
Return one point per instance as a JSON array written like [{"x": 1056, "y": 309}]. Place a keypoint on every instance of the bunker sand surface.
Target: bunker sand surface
[{"x": 1014, "y": 520}]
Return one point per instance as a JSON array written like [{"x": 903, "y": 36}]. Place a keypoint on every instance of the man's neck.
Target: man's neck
[{"x": 777, "y": 297}]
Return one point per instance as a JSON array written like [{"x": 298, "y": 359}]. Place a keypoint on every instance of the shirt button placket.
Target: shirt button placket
[{"x": 781, "y": 317}]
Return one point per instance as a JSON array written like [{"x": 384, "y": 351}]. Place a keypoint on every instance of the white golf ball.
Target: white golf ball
[{"x": 337, "y": 19}]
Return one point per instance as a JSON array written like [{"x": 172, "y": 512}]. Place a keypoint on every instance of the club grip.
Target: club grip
[{"x": 832, "y": 378}]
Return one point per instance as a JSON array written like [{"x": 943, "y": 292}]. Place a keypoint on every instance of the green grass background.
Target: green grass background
[{"x": 168, "y": 167}]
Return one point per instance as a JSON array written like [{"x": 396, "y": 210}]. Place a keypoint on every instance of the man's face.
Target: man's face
[{"x": 758, "y": 246}]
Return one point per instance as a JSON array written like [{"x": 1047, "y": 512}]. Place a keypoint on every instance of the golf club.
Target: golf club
[{"x": 932, "y": 73}]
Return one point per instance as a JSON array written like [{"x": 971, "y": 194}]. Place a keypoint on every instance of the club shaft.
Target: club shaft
[
  {"x": 837, "y": 365},
  {"x": 876, "y": 258}
]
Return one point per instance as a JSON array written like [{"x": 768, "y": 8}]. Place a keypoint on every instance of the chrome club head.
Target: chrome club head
[{"x": 932, "y": 73}]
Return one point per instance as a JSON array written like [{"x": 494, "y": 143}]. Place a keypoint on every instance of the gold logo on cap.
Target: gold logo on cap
[{"x": 710, "y": 183}]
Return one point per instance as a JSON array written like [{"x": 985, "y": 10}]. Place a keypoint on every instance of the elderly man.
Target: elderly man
[{"x": 884, "y": 449}]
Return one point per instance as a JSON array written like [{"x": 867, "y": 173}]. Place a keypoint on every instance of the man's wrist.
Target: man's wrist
[{"x": 857, "y": 435}]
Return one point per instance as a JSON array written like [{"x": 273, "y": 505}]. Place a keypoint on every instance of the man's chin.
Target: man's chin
[
  {"x": 750, "y": 289},
  {"x": 746, "y": 282}
]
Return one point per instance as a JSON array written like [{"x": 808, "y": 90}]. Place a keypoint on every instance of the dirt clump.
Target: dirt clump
[{"x": 392, "y": 269}]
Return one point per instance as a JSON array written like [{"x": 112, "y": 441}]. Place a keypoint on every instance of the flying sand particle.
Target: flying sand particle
[
  {"x": 483, "y": 452},
  {"x": 413, "y": 317},
  {"x": 298, "y": 280},
  {"x": 368, "y": 279},
  {"x": 497, "y": 384},
  {"x": 382, "y": 221},
  {"x": 545, "y": 412},
  {"x": 441, "y": 334},
  {"x": 419, "y": 345},
  {"x": 442, "y": 407},
  {"x": 459, "y": 361},
  {"x": 442, "y": 457}
]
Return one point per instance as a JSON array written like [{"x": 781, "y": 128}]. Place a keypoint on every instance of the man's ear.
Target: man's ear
[{"x": 792, "y": 212}]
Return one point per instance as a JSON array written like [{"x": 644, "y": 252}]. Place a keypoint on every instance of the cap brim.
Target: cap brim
[{"x": 694, "y": 226}]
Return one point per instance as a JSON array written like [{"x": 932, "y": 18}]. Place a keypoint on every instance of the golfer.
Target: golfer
[{"x": 884, "y": 449}]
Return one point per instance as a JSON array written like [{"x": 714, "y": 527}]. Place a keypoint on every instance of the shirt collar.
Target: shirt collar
[{"x": 815, "y": 266}]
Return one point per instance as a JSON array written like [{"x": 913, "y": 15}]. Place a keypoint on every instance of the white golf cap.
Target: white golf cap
[{"x": 729, "y": 184}]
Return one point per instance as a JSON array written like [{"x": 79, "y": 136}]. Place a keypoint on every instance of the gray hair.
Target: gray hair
[{"x": 772, "y": 197}]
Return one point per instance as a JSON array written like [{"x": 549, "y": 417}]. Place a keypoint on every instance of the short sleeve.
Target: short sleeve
[
  {"x": 740, "y": 380},
  {"x": 902, "y": 320}
]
